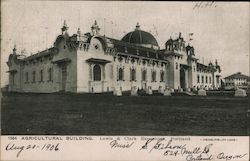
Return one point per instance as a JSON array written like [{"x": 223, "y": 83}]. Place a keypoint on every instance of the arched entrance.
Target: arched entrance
[
  {"x": 182, "y": 78},
  {"x": 97, "y": 73}
]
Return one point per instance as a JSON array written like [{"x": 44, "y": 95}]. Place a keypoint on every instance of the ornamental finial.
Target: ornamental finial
[{"x": 137, "y": 27}]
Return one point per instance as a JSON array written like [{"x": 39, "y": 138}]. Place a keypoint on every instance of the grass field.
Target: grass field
[{"x": 105, "y": 114}]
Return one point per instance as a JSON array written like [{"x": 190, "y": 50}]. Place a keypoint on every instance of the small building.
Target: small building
[{"x": 237, "y": 80}]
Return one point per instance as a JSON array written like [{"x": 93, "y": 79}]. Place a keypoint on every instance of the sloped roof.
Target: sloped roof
[
  {"x": 46, "y": 52},
  {"x": 237, "y": 75}
]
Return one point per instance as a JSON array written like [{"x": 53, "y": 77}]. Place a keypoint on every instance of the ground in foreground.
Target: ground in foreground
[{"x": 104, "y": 114}]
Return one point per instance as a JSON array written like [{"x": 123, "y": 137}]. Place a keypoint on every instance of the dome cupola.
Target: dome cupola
[{"x": 141, "y": 38}]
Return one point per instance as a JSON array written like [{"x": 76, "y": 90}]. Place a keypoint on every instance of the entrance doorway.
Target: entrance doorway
[
  {"x": 182, "y": 78},
  {"x": 64, "y": 77}
]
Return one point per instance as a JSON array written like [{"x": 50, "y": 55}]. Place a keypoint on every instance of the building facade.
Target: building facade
[
  {"x": 237, "y": 80},
  {"x": 94, "y": 63}
]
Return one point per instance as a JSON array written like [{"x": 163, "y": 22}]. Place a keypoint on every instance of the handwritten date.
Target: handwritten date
[{"x": 20, "y": 148}]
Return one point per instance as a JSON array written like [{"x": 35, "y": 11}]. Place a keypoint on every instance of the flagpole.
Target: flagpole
[{"x": 104, "y": 25}]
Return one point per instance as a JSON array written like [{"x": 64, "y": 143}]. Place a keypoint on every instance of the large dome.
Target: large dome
[{"x": 140, "y": 37}]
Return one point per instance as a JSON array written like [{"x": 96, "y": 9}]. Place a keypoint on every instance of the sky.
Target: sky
[{"x": 220, "y": 29}]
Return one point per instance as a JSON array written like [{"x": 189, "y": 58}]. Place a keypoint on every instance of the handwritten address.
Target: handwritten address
[{"x": 197, "y": 153}]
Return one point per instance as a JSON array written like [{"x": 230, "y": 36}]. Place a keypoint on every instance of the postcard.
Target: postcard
[{"x": 124, "y": 80}]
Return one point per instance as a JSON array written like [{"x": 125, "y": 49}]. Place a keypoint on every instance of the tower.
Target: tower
[
  {"x": 14, "y": 50},
  {"x": 78, "y": 32},
  {"x": 95, "y": 29},
  {"x": 216, "y": 62},
  {"x": 179, "y": 34},
  {"x": 64, "y": 28}
]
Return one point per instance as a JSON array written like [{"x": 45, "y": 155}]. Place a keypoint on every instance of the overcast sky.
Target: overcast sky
[{"x": 221, "y": 30}]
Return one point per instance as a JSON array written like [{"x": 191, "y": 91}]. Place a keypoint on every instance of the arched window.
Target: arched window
[
  {"x": 198, "y": 79},
  {"x": 120, "y": 77},
  {"x": 162, "y": 76},
  {"x": 210, "y": 80},
  {"x": 176, "y": 65},
  {"x": 144, "y": 75},
  {"x": 133, "y": 73},
  {"x": 97, "y": 73},
  {"x": 50, "y": 74},
  {"x": 202, "y": 79},
  {"x": 34, "y": 76},
  {"x": 41, "y": 75},
  {"x": 153, "y": 76},
  {"x": 206, "y": 79},
  {"x": 27, "y": 77}
]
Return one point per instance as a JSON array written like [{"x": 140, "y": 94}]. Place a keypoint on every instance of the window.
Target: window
[
  {"x": 217, "y": 80},
  {"x": 202, "y": 79},
  {"x": 133, "y": 75},
  {"x": 162, "y": 76},
  {"x": 34, "y": 76},
  {"x": 210, "y": 80},
  {"x": 206, "y": 79},
  {"x": 198, "y": 79},
  {"x": 97, "y": 73},
  {"x": 41, "y": 75},
  {"x": 176, "y": 65},
  {"x": 50, "y": 74},
  {"x": 144, "y": 75},
  {"x": 120, "y": 77},
  {"x": 153, "y": 76},
  {"x": 27, "y": 77}
]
